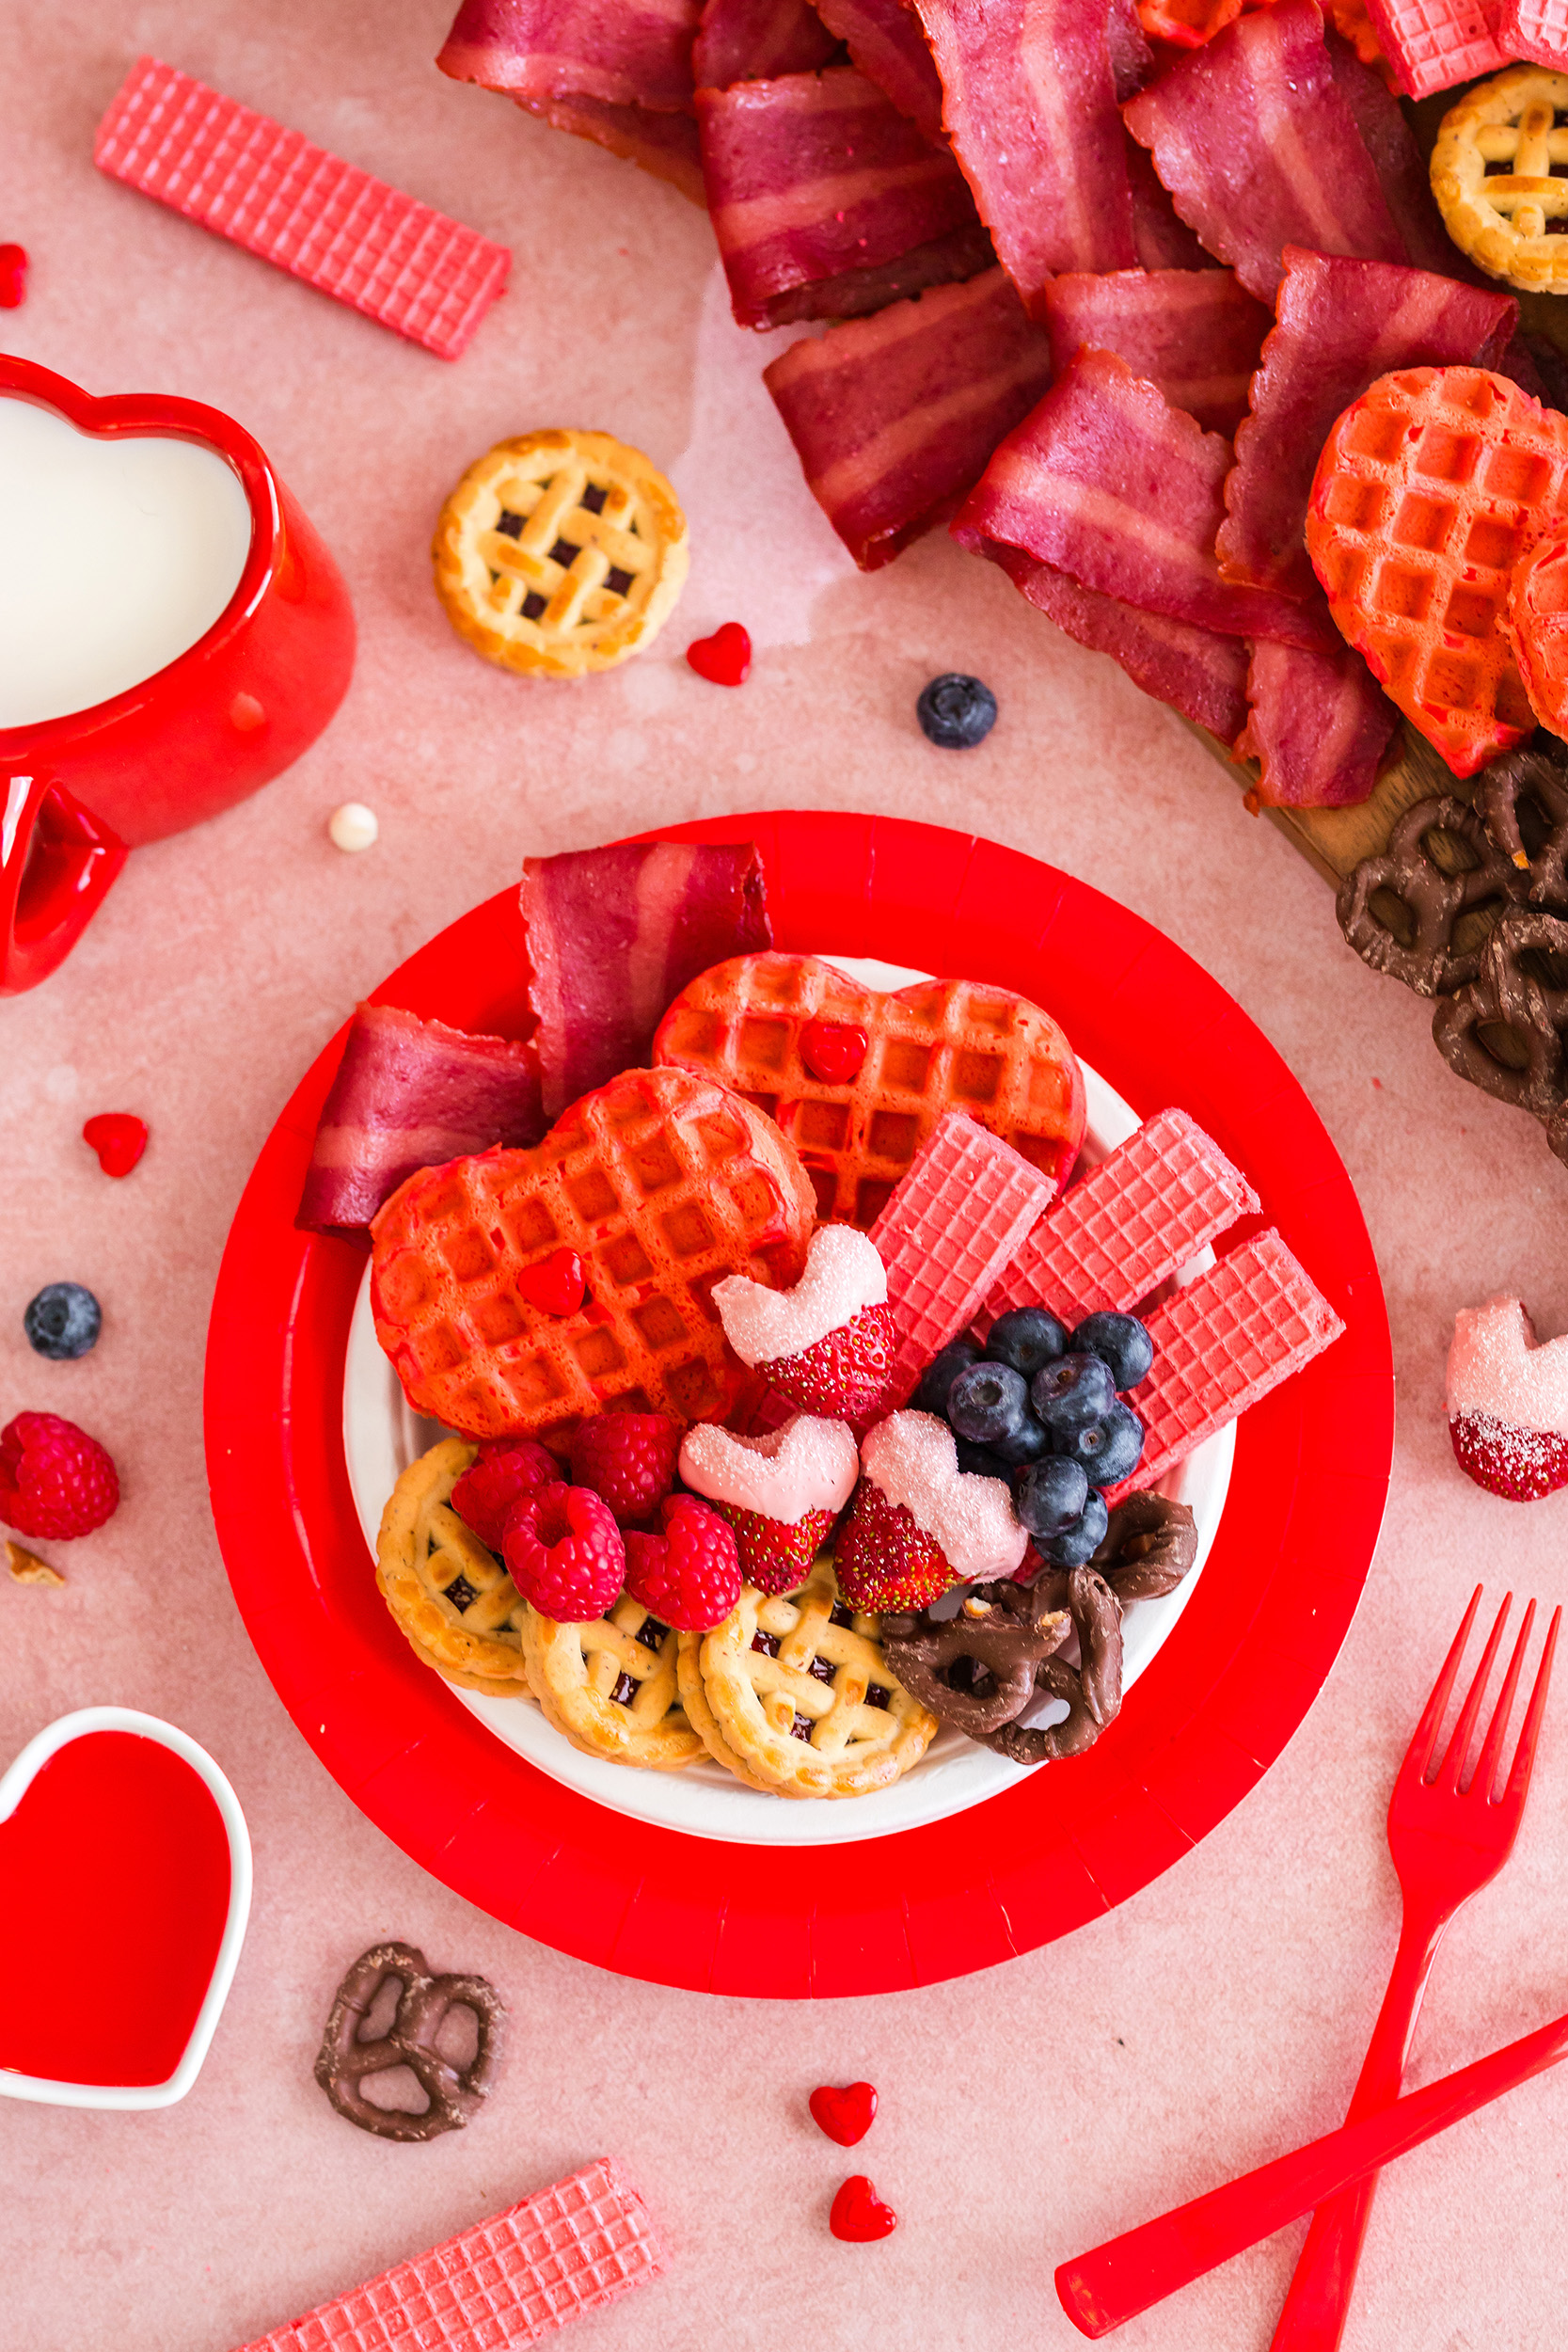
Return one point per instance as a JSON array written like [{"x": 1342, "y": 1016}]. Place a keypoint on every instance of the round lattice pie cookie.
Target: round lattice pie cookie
[
  {"x": 1492, "y": 173},
  {"x": 800, "y": 1691},
  {"x": 610, "y": 1688},
  {"x": 448, "y": 1592},
  {"x": 560, "y": 553}
]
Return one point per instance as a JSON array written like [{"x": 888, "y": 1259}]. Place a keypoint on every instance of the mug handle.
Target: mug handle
[{"x": 56, "y": 862}]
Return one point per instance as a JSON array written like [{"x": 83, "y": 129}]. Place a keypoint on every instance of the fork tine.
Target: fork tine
[
  {"x": 1424, "y": 1739},
  {"x": 1486, "y": 1763},
  {"x": 1524, "y": 1754},
  {"x": 1447, "y": 1776}
]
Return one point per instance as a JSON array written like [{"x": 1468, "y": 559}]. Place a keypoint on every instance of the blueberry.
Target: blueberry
[
  {"x": 1120, "y": 1341},
  {"x": 63, "y": 1321},
  {"x": 977, "y": 1461},
  {"x": 956, "y": 711},
  {"x": 940, "y": 1374},
  {"x": 987, "y": 1402},
  {"x": 1077, "y": 1545},
  {"x": 1027, "y": 1443},
  {"x": 1070, "y": 1393},
  {"x": 1029, "y": 1337},
  {"x": 1052, "y": 1496},
  {"x": 1108, "y": 1448}
]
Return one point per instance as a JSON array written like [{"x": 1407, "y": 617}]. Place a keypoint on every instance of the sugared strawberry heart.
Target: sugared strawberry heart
[
  {"x": 780, "y": 1494},
  {"x": 859, "y": 2214},
  {"x": 844, "y": 2111},
  {"x": 1508, "y": 1402},
  {"x": 884, "y": 1559},
  {"x": 725, "y": 658},
  {"x": 776, "y": 1554},
  {"x": 918, "y": 1524},
  {"x": 828, "y": 1344},
  {"x": 846, "y": 1374}
]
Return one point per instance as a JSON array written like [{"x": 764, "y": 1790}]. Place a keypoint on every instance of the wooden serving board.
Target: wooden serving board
[{"x": 1334, "y": 840}]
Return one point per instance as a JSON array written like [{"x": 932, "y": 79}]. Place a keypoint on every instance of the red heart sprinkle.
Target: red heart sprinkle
[
  {"x": 13, "y": 276},
  {"x": 859, "y": 2214},
  {"x": 844, "y": 2110},
  {"x": 118, "y": 1137},
  {"x": 725, "y": 658},
  {"x": 833, "y": 1051},
  {"x": 556, "y": 1285}
]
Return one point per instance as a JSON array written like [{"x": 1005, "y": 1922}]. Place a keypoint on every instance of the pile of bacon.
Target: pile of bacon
[{"x": 1095, "y": 300}]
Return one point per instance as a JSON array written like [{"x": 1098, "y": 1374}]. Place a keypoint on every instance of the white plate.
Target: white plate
[{"x": 382, "y": 1436}]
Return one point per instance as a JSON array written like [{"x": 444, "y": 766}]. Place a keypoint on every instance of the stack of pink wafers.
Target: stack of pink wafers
[{"x": 1437, "y": 44}]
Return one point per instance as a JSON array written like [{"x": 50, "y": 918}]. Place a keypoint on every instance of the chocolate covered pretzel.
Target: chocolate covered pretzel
[
  {"x": 1522, "y": 799},
  {"x": 975, "y": 1671},
  {"x": 1092, "y": 1691},
  {"x": 1507, "y": 1032},
  {"x": 1150, "y": 1544},
  {"x": 346, "y": 2057},
  {"x": 1444, "y": 902}
]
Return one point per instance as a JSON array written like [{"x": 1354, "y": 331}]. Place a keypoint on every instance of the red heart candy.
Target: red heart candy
[
  {"x": 14, "y": 275},
  {"x": 725, "y": 658},
  {"x": 844, "y": 2110},
  {"x": 833, "y": 1051},
  {"x": 118, "y": 1137},
  {"x": 556, "y": 1285},
  {"x": 859, "y": 2214}
]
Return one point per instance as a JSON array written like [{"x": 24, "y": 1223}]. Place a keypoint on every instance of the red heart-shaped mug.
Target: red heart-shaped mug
[{"x": 142, "y": 755}]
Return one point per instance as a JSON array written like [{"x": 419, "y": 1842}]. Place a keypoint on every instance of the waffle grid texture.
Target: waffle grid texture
[
  {"x": 1536, "y": 29},
  {"x": 1435, "y": 45},
  {"x": 507, "y": 2282},
  {"x": 1140, "y": 1215},
  {"x": 267, "y": 188},
  {"x": 1220, "y": 1345},
  {"x": 958, "y": 1218}
]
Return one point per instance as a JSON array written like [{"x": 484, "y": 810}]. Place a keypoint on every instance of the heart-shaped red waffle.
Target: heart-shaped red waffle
[
  {"x": 662, "y": 1183},
  {"x": 1429, "y": 488},
  {"x": 937, "y": 1046}
]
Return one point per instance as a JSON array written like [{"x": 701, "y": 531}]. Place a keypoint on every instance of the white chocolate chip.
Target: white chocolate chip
[{"x": 354, "y": 826}]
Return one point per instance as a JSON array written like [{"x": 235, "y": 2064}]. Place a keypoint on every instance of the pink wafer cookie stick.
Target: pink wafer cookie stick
[
  {"x": 1536, "y": 29},
  {"x": 960, "y": 1211},
  {"x": 1434, "y": 44},
  {"x": 269, "y": 189},
  {"x": 1144, "y": 1213},
  {"x": 506, "y": 2281},
  {"x": 1226, "y": 1339}
]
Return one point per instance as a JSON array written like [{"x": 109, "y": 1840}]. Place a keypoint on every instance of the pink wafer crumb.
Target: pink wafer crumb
[
  {"x": 268, "y": 189},
  {"x": 808, "y": 1465},
  {"x": 1220, "y": 1345},
  {"x": 913, "y": 1458},
  {"x": 1124, "y": 1229},
  {"x": 959, "y": 1215},
  {"x": 842, "y": 1274},
  {"x": 506, "y": 2281},
  {"x": 1435, "y": 44},
  {"x": 1499, "y": 1369}
]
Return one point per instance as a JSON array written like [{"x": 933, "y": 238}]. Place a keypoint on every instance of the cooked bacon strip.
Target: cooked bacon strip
[
  {"x": 1131, "y": 58},
  {"x": 1113, "y": 486},
  {"x": 1319, "y": 723},
  {"x": 1030, "y": 106},
  {"x": 409, "y": 1094},
  {"x": 636, "y": 52},
  {"x": 816, "y": 175},
  {"x": 749, "y": 41},
  {"x": 1163, "y": 241},
  {"x": 884, "y": 40},
  {"x": 664, "y": 145},
  {"x": 1197, "y": 672},
  {"x": 611, "y": 935},
  {"x": 1194, "y": 332},
  {"x": 1340, "y": 324},
  {"x": 1400, "y": 166},
  {"x": 1259, "y": 148},
  {"x": 894, "y": 417}
]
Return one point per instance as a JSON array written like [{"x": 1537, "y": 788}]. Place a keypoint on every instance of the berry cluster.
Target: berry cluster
[{"x": 1043, "y": 1407}]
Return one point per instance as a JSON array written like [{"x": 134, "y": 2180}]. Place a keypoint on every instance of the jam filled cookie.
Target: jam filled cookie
[
  {"x": 610, "y": 1687},
  {"x": 560, "y": 553},
  {"x": 1492, "y": 173},
  {"x": 448, "y": 1592}
]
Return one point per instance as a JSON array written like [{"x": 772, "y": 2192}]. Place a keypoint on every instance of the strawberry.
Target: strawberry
[
  {"x": 565, "y": 1553},
  {"x": 54, "y": 1480},
  {"x": 776, "y": 1554},
  {"x": 1521, "y": 1464},
  {"x": 844, "y": 1375},
  {"x": 884, "y": 1559},
  {"x": 629, "y": 1458},
  {"x": 688, "y": 1576},
  {"x": 484, "y": 1496}
]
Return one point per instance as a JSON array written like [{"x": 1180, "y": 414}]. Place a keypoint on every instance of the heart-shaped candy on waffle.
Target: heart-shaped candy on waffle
[
  {"x": 771, "y": 1024},
  {"x": 662, "y": 1183},
  {"x": 1429, "y": 488}
]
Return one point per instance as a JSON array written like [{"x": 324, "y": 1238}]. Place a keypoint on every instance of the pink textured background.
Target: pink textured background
[{"x": 1204, "y": 2025}]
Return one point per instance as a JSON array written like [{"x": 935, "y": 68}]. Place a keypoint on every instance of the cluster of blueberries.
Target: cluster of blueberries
[{"x": 1043, "y": 1407}]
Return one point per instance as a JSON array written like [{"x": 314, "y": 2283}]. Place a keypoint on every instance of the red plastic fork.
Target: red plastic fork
[{"x": 1446, "y": 1843}]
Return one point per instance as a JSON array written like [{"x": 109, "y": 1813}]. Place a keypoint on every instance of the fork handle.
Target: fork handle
[{"x": 1318, "y": 2304}]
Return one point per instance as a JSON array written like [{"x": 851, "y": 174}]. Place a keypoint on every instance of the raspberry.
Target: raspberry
[
  {"x": 556, "y": 1285},
  {"x": 484, "y": 1496},
  {"x": 565, "y": 1553},
  {"x": 118, "y": 1137},
  {"x": 629, "y": 1458},
  {"x": 884, "y": 1558},
  {"x": 844, "y": 1375},
  {"x": 833, "y": 1051},
  {"x": 1521, "y": 1464},
  {"x": 54, "y": 1480},
  {"x": 690, "y": 1575},
  {"x": 775, "y": 1554}
]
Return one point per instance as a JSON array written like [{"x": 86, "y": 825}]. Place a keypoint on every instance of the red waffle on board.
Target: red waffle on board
[
  {"x": 269, "y": 189},
  {"x": 1536, "y": 624},
  {"x": 1429, "y": 488}
]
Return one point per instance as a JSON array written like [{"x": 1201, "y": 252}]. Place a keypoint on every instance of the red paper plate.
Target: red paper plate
[{"x": 1212, "y": 1711}]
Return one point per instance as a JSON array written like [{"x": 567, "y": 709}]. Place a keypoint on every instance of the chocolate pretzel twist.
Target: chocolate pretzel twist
[
  {"x": 976, "y": 1670},
  {"x": 1433, "y": 961},
  {"x": 1092, "y": 1691},
  {"x": 344, "y": 2060},
  {"x": 1150, "y": 1544},
  {"x": 1520, "y": 995},
  {"x": 1522, "y": 799}
]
